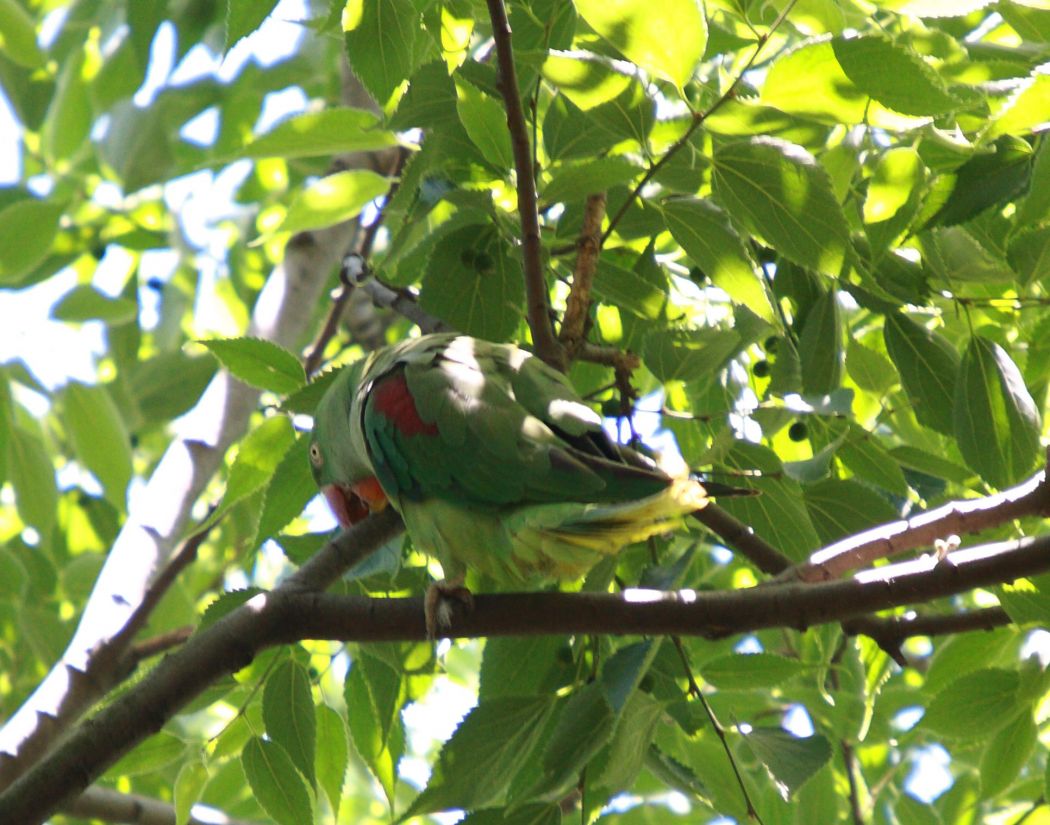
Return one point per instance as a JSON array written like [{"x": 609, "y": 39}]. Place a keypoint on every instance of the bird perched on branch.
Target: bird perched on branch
[{"x": 492, "y": 459}]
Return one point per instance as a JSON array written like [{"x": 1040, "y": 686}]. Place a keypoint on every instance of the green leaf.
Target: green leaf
[
  {"x": 169, "y": 384},
  {"x": 897, "y": 175},
  {"x": 333, "y": 754},
  {"x": 512, "y": 666},
  {"x": 276, "y": 783},
  {"x": 85, "y": 303},
  {"x": 13, "y": 576},
  {"x": 1029, "y": 254},
  {"x": 791, "y": 760},
  {"x": 485, "y": 121},
  {"x": 492, "y": 743},
  {"x": 808, "y": 81},
  {"x": 328, "y": 132},
  {"x": 574, "y": 181},
  {"x": 586, "y": 723},
  {"x": 705, "y": 234},
  {"x": 157, "y": 752},
  {"x": 584, "y": 81},
  {"x": 967, "y": 652},
  {"x": 32, "y": 475},
  {"x": 751, "y": 671},
  {"x": 535, "y": 814},
  {"x": 779, "y": 192},
  {"x": 1027, "y": 110},
  {"x": 869, "y": 368},
  {"x": 628, "y": 290},
  {"x": 189, "y": 784},
  {"x": 262, "y": 364},
  {"x": 385, "y": 43},
  {"x": 687, "y": 355},
  {"x": 624, "y": 670},
  {"x": 893, "y": 75},
  {"x": 666, "y": 39},
  {"x": 997, "y": 424},
  {"x": 69, "y": 117},
  {"x": 243, "y": 17},
  {"x": 569, "y": 132},
  {"x": 956, "y": 255},
  {"x": 863, "y": 454},
  {"x": 1026, "y": 601},
  {"x": 1006, "y": 754},
  {"x": 374, "y": 694},
  {"x": 99, "y": 438},
  {"x": 137, "y": 146},
  {"x": 986, "y": 179},
  {"x": 288, "y": 711},
  {"x": 290, "y": 489},
  {"x": 27, "y": 230},
  {"x": 616, "y": 767},
  {"x": 474, "y": 283},
  {"x": 928, "y": 365},
  {"x": 974, "y": 706},
  {"x": 842, "y": 507},
  {"x": 333, "y": 199},
  {"x": 18, "y": 35},
  {"x": 820, "y": 347},
  {"x": 258, "y": 456}
]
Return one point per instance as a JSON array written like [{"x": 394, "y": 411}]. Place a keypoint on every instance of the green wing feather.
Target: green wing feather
[{"x": 510, "y": 431}]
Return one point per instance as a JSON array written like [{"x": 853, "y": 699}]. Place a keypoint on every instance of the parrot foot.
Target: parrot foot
[{"x": 439, "y": 602}]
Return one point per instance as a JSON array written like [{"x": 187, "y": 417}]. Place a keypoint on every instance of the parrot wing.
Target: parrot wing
[{"x": 489, "y": 424}]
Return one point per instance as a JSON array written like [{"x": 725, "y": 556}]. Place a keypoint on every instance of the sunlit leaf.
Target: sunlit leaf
[
  {"x": 781, "y": 194},
  {"x": 333, "y": 199},
  {"x": 666, "y": 39}
]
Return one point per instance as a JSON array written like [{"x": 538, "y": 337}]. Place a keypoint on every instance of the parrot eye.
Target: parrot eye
[{"x": 315, "y": 455}]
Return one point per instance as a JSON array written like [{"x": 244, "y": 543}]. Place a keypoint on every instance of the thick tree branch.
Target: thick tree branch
[
  {"x": 537, "y": 300},
  {"x": 1032, "y": 498},
  {"x": 225, "y": 647},
  {"x": 291, "y": 613},
  {"x": 154, "y": 528}
]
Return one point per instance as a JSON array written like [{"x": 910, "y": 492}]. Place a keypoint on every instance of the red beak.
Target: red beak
[{"x": 347, "y": 507}]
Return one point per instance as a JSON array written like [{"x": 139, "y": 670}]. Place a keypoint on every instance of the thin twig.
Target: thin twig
[
  {"x": 161, "y": 643},
  {"x": 743, "y": 539},
  {"x": 588, "y": 248},
  {"x": 696, "y": 693},
  {"x": 362, "y": 251},
  {"x": 697, "y": 121},
  {"x": 537, "y": 299}
]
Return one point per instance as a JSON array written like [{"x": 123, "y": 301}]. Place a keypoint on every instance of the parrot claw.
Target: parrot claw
[{"x": 439, "y": 603}]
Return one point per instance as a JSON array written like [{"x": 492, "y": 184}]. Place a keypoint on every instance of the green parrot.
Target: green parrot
[{"x": 492, "y": 459}]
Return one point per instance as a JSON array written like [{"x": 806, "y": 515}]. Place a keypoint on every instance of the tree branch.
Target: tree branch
[
  {"x": 225, "y": 647},
  {"x": 697, "y": 120},
  {"x": 741, "y": 538},
  {"x": 154, "y": 528},
  {"x": 361, "y": 252},
  {"x": 578, "y": 304},
  {"x": 538, "y": 302},
  {"x": 1032, "y": 498},
  {"x": 291, "y": 613},
  {"x": 132, "y": 809}
]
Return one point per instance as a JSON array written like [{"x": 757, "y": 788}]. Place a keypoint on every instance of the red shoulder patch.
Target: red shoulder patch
[{"x": 392, "y": 399}]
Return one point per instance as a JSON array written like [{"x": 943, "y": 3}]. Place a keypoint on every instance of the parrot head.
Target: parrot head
[{"x": 338, "y": 457}]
